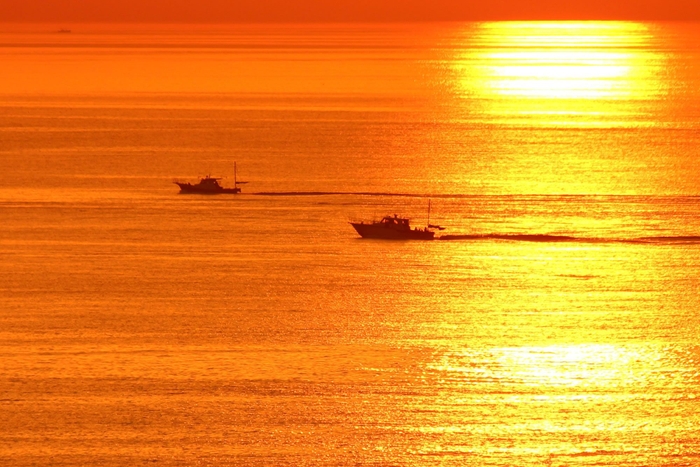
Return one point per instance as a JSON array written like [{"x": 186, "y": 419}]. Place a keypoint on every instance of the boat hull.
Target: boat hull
[
  {"x": 188, "y": 188},
  {"x": 388, "y": 233}
]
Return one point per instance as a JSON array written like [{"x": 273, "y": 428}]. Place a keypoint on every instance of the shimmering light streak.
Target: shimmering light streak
[{"x": 560, "y": 72}]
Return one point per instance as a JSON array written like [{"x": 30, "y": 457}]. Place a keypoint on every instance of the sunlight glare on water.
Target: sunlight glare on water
[
  {"x": 535, "y": 79},
  {"x": 561, "y": 73}
]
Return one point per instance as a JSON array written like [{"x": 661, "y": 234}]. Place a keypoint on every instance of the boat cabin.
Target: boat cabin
[
  {"x": 209, "y": 182},
  {"x": 395, "y": 221}
]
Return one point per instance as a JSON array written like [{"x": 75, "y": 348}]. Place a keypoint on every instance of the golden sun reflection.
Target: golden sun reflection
[
  {"x": 548, "y": 367},
  {"x": 559, "y": 69},
  {"x": 573, "y": 365}
]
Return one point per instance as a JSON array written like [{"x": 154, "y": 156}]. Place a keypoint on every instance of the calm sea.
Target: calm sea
[{"x": 558, "y": 325}]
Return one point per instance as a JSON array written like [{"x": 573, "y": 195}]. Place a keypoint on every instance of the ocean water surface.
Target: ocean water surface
[{"x": 555, "y": 322}]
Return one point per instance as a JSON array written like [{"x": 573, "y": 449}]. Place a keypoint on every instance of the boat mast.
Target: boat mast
[
  {"x": 235, "y": 183},
  {"x": 428, "y": 213}
]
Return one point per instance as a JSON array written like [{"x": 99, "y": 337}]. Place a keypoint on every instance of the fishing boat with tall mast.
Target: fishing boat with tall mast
[
  {"x": 209, "y": 185},
  {"x": 396, "y": 228}
]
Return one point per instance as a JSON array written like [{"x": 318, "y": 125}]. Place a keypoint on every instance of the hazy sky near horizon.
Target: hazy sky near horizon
[{"x": 224, "y": 11}]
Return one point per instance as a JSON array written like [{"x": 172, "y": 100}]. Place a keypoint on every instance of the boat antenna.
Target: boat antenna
[
  {"x": 431, "y": 225},
  {"x": 428, "y": 212}
]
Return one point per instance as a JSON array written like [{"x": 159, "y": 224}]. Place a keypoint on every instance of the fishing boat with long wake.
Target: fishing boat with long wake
[
  {"x": 396, "y": 228},
  {"x": 209, "y": 185}
]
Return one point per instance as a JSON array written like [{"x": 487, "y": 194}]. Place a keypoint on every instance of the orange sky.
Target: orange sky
[{"x": 222, "y": 11}]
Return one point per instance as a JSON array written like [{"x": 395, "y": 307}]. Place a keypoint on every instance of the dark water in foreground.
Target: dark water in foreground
[{"x": 556, "y": 323}]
